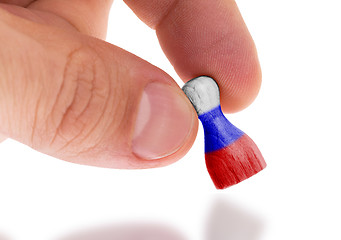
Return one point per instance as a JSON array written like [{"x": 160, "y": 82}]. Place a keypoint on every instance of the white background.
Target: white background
[{"x": 295, "y": 121}]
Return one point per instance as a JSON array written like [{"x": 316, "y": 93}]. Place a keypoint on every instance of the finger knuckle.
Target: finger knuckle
[{"x": 81, "y": 100}]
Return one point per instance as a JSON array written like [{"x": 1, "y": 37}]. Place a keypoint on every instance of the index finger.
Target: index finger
[{"x": 206, "y": 38}]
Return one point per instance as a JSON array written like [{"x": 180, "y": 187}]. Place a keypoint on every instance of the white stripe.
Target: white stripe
[{"x": 203, "y": 92}]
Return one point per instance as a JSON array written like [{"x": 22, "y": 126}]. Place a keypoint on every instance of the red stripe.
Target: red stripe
[{"x": 235, "y": 162}]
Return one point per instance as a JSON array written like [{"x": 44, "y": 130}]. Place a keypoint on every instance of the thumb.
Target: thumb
[{"x": 80, "y": 99}]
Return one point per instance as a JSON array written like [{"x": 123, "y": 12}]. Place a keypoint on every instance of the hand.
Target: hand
[{"x": 66, "y": 93}]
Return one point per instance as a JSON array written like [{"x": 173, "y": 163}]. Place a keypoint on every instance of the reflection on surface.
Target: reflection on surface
[
  {"x": 2, "y": 237},
  {"x": 227, "y": 221},
  {"x": 128, "y": 232}
]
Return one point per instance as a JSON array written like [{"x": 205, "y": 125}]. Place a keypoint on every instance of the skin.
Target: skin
[{"x": 59, "y": 44}]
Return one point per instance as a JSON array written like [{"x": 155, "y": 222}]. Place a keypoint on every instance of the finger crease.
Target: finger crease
[{"x": 168, "y": 12}]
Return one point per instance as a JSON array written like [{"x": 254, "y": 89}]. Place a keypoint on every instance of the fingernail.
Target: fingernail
[{"x": 164, "y": 121}]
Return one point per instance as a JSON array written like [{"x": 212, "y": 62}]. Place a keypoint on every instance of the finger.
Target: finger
[
  {"x": 87, "y": 16},
  {"x": 2, "y": 138},
  {"x": 80, "y": 99},
  {"x": 206, "y": 38},
  {"x": 22, "y": 3}
]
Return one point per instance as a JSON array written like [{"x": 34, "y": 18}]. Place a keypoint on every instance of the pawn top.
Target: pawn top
[{"x": 203, "y": 92}]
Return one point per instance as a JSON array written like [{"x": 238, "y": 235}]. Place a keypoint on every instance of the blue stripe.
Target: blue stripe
[{"x": 219, "y": 132}]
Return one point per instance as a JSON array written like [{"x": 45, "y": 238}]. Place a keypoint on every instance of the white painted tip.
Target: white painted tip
[{"x": 203, "y": 92}]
